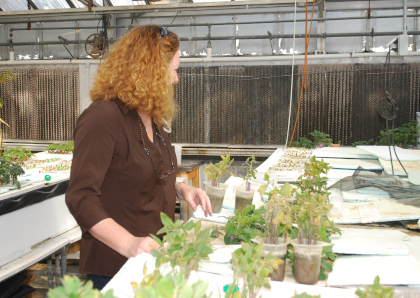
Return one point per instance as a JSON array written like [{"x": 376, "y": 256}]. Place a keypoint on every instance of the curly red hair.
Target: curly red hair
[{"x": 136, "y": 71}]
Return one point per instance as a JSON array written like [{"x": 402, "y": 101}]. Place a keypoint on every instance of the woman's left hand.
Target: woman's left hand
[{"x": 194, "y": 197}]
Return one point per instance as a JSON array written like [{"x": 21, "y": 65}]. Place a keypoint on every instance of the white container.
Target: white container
[
  {"x": 337, "y": 202},
  {"x": 178, "y": 153}
]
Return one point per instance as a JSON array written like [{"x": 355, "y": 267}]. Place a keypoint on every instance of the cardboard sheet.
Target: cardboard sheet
[
  {"x": 389, "y": 210},
  {"x": 384, "y": 242},
  {"x": 361, "y": 270},
  {"x": 343, "y": 152},
  {"x": 382, "y": 152},
  {"x": 353, "y": 164}
]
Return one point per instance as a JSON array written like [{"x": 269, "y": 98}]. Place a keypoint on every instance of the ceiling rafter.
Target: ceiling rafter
[
  {"x": 32, "y": 4},
  {"x": 70, "y": 3}
]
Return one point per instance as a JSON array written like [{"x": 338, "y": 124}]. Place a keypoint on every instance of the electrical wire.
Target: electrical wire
[
  {"x": 305, "y": 65},
  {"x": 291, "y": 82}
]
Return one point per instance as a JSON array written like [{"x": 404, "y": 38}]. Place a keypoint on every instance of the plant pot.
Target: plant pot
[
  {"x": 216, "y": 195},
  {"x": 307, "y": 261},
  {"x": 243, "y": 197},
  {"x": 335, "y": 145},
  {"x": 278, "y": 250}
]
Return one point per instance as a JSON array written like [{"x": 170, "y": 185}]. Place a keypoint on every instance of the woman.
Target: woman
[{"x": 124, "y": 167}]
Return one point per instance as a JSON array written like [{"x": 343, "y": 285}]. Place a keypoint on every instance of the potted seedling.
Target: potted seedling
[
  {"x": 17, "y": 154},
  {"x": 9, "y": 171},
  {"x": 246, "y": 224},
  {"x": 310, "y": 213},
  {"x": 170, "y": 285},
  {"x": 244, "y": 194},
  {"x": 278, "y": 222},
  {"x": 178, "y": 248},
  {"x": 215, "y": 190},
  {"x": 253, "y": 266}
]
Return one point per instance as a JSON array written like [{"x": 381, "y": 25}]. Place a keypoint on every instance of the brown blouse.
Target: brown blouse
[{"x": 113, "y": 177}]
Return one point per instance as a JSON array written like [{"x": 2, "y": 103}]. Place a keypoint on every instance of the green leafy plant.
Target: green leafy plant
[
  {"x": 250, "y": 172},
  {"x": 17, "y": 154},
  {"x": 376, "y": 290},
  {"x": 253, "y": 266},
  {"x": 73, "y": 287},
  {"x": 310, "y": 211},
  {"x": 313, "y": 187},
  {"x": 321, "y": 138},
  {"x": 61, "y": 148},
  {"x": 403, "y": 136},
  {"x": 9, "y": 171},
  {"x": 180, "y": 249},
  {"x": 216, "y": 171},
  {"x": 245, "y": 225},
  {"x": 278, "y": 215},
  {"x": 170, "y": 285},
  {"x": 368, "y": 142},
  {"x": 311, "y": 178},
  {"x": 303, "y": 142}
]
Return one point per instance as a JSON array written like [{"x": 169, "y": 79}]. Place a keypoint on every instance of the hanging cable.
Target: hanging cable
[
  {"x": 305, "y": 65},
  {"x": 291, "y": 81}
]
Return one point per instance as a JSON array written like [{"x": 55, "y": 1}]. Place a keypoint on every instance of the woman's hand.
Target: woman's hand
[
  {"x": 137, "y": 245},
  {"x": 194, "y": 197}
]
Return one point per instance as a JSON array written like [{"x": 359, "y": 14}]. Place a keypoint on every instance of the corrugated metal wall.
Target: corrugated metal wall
[
  {"x": 246, "y": 105},
  {"x": 41, "y": 104},
  {"x": 250, "y": 104}
]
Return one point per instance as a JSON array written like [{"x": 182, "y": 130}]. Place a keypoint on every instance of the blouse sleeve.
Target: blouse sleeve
[{"x": 94, "y": 141}]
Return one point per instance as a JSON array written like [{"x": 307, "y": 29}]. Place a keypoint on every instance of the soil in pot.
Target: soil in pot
[
  {"x": 216, "y": 203},
  {"x": 278, "y": 274},
  {"x": 241, "y": 203},
  {"x": 307, "y": 268}
]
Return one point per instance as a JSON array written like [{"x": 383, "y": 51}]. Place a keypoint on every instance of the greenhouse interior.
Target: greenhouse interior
[{"x": 263, "y": 148}]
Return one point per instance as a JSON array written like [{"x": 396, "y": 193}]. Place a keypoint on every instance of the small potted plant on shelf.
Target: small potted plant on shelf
[
  {"x": 278, "y": 222},
  {"x": 17, "y": 154},
  {"x": 244, "y": 194},
  {"x": 181, "y": 250},
  {"x": 9, "y": 171},
  {"x": 310, "y": 213},
  {"x": 214, "y": 189},
  {"x": 253, "y": 266}
]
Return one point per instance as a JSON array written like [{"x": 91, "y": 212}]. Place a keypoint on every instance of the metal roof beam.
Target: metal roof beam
[
  {"x": 32, "y": 4},
  {"x": 70, "y": 3}
]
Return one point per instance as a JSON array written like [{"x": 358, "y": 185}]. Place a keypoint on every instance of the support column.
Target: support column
[{"x": 320, "y": 43}]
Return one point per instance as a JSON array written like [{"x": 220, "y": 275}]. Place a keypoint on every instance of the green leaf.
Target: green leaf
[
  {"x": 189, "y": 225},
  {"x": 199, "y": 288},
  {"x": 156, "y": 239},
  {"x": 185, "y": 291},
  {"x": 327, "y": 266},
  {"x": 189, "y": 254},
  {"x": 166, "y": 221},
  {"x": 197, "y": 226},
  {"x": 205, "y": 251}
]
